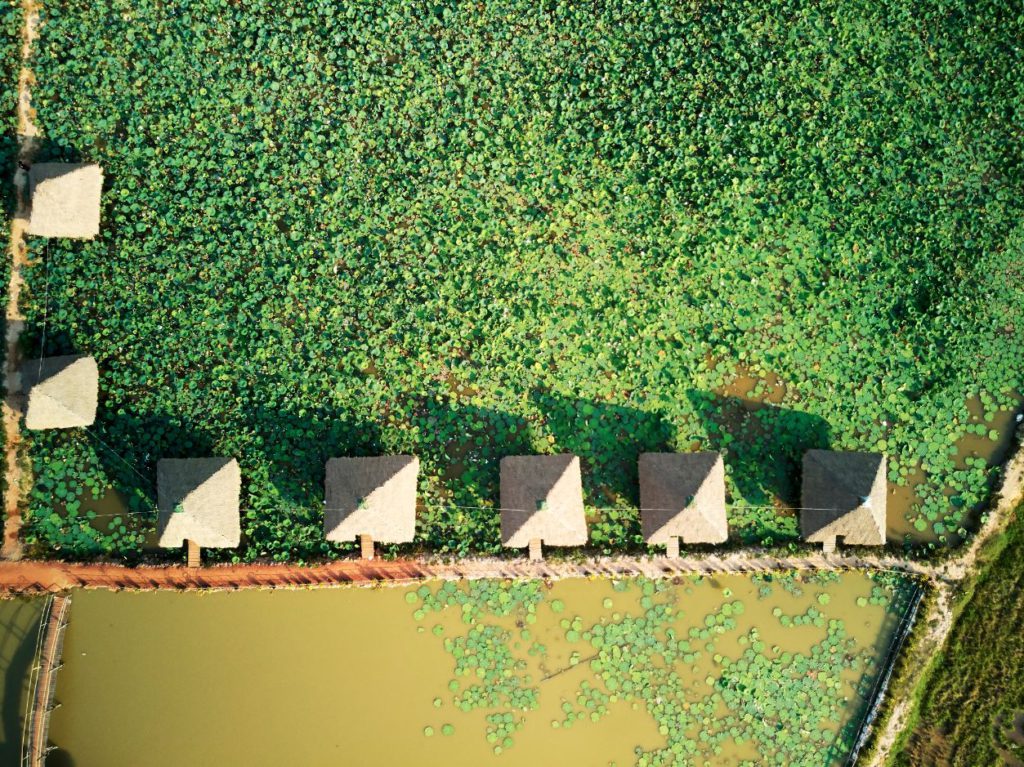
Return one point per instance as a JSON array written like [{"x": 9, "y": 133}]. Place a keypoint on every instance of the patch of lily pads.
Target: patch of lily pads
[{"x": 711, "y": 682}]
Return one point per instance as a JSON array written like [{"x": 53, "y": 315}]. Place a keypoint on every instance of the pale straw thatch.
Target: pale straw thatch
[
  {"x": 682, "y": 495},
  {"x": 844, "y": 496},
  {"x": 542, "y": 499},
  {"x": 65, "y": 200},
  {"x": 62, "y": 392},
  {"x": 199, "y": 500},
  {"x": 373, "y": 496}
]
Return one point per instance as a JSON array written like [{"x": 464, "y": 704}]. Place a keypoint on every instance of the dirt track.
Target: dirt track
[{"x": 34, "y": 577}]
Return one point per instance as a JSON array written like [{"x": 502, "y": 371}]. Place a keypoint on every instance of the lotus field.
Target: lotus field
[{"x": 468, "y": 231}]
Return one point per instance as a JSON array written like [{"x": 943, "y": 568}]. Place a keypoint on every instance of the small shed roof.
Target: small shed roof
[
  {"x": 65, "y": 199},
  {"x": 198, "y": 500},
  {"x": 373, "y": 496},
  {"x": 62, "y": 392},
  {"x": 844, "y": 494},
  {"x": 542, "y": 498},
  {"x": 682, "y": 495}
]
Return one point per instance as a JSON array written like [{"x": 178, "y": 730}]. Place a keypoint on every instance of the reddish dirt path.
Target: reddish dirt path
[{"x": 34, "y": 577}]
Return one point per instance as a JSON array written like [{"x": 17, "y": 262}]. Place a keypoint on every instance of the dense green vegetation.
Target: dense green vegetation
[
  {"x": 711, "y": 681},
  {"x": 10, "y": 66},
  {"x": 466, "y": 231},
  {"x": 972, "y": 709}
]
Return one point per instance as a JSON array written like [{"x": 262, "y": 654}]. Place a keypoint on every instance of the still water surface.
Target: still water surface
[
  {"x": 19, "y": 624},
  {"x": 349, "y": 676}
]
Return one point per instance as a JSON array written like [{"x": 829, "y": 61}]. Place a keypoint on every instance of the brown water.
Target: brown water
[
  {"x": 1000, "y": 423},
  {"x": 901, "y": 502},
  {"x": 19, "y": 625},
  {"x": 745, "y": 384},
  {"x": 755, "y": 390},
  {"x": 903, "y": 498},
  {"x": 348, "y": 676}
]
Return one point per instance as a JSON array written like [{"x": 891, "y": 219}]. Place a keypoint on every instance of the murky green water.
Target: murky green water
[
  {"x": 356, "y": 676},
  {"x": 19, "y": 623}
]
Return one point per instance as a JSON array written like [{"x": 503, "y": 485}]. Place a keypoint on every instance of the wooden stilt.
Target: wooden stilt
[
  {"x": 194, "y": 553},
  {"x": 672, "y": 548},
  {"x": 536, "y": 552},
  {"x": 366, "y": 546}
]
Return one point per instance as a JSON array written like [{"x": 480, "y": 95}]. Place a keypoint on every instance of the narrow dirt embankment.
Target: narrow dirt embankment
[
  {"x": 938, "y": 620},
  {"x": 16, "y": 469},
  {"x": 35, "y": 577}
]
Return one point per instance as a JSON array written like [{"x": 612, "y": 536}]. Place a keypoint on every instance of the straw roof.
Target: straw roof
[
  {"x": 198, "y": 500},
  {"x": 683, "y": 495},
  {"x": 371, "y": 496},
  {"x": 65, "y": 199},
  {"x": 844, "y": 495},
  {"x": 62, "y": 392},
  {"x": 542, "y": 498}
]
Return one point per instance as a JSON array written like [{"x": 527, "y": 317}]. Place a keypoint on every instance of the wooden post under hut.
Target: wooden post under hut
[
  {"x": 536, "y": 552},
  {"x": 194, "y": 553},
  {"x": 672, "y": 548},
  {"x": 366, "y": 546}
]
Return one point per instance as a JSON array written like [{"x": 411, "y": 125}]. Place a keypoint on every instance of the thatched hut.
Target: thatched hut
[
  {"x": 198, "y": 500},
  {"x": 542, "y": 502},
  {"x": 844, "y": 497},
  {"x": 372, "y": 499},
  {"x": 62, "y": 392},
  {"x": 65, "y": 200},
  {"x": 682, "y": 496}
]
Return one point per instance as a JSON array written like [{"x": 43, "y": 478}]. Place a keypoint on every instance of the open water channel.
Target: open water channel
[{"x": 728, "y": 670}]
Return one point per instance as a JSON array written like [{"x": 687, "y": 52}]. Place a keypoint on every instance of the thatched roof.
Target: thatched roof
[
  {"x": 844, "y": 494},
  {"x": 198, "y": 500},
  {"x": 373, "y": 496},
  {"x": 683, "y": 495},
  {"x": 62, "y": 392},
  {"x": 542, "y": 498},
  {"x": 65, "y": 199}
]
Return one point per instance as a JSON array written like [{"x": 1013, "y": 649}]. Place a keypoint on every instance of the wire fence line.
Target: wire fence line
[
  {"x": 48, "y": 662},
  {"x": 42, "y": 683},
  {"x": 297, "y": 510},
  {"x": 138, "y": 471},
  {"x": 881, "y": 684},
  {"x": 33, "y": 677}
]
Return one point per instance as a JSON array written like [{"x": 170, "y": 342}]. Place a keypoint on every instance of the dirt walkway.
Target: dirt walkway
[
  {"x": 16, "y": 476},
  {"x": 35, "y": 577},
  {"x": 939, "y": 619}
]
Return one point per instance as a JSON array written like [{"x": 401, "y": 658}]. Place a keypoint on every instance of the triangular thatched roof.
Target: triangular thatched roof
[
  {"x": 373, "y": 496},
  {"x": 62, "y": 392},
  {"x": 682, "y": 495},
  {"x": 542, "y": 498},
  {"x": 844, "y": 495},
  {"x": 65, "y": 200},
  {"x": 198, "y": 500}
]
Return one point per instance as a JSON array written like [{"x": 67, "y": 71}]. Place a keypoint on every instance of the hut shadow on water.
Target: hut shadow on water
[
  {"x": 287, "y": 453},
  {"x": 608, "y": 439},
  {"x": 128, "y": 448},
  {"x": 763, "y": 447},
  {"x": 460, "y": 462}
]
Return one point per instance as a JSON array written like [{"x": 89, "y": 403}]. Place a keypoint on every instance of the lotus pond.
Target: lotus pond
[
  {"x": 464, "y": 231},
  {"x": 730, "y": 670}
]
